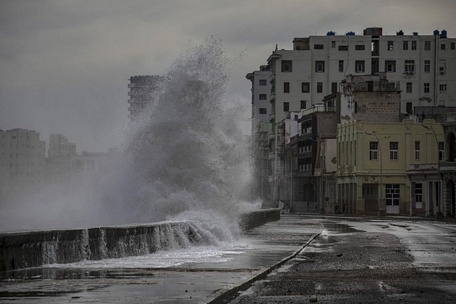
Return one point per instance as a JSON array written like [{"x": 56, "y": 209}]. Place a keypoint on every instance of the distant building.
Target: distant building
[
  {"x": 261, "y": 109},
  {"x": 60, "y": 153},
  {"x": 59, "y": 146},
  {"x": 22, "y": 160},
  {"x": 142, "y": 89}
]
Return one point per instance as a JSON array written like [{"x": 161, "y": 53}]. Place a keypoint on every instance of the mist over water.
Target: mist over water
[{"x": 185, "y": 158}]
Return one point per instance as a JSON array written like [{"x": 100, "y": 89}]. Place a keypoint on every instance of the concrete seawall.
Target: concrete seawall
[
  {"x": 257, "y": 218},
  {"x": 36, "y": 248}
]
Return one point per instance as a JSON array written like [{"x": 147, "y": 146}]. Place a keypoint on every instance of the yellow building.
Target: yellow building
[{"x": 373, "y": 163}]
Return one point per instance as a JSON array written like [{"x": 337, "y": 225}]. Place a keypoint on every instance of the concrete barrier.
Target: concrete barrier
[
  {"x": 257, "y": 218},
  {"x": 33, "y": 249}
]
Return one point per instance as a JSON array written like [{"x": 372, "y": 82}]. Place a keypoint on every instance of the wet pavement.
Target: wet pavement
[
  {"x": 377, "y": 261},
  {"x": 352, "y": 260},
  {"x": 136, "y": 280}
]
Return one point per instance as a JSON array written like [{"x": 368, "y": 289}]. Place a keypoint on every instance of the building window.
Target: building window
[
  {"x": 426, "y": 88},
  {"x": 427, "y": 66},
  {"x": 409, "y": 108},
  {"x": 359, "y": 66},
  {"x": 427, "y": 45},
  {"x": 418, "y": 195},
  {"x": 341, "y": 66},
  {"x": 263, "y": 97},
  {"x": 263, "y": 111},
  {"x": 442, "y": 67},
  {"x": 409, "y": 87},
  {"x": 414, "y": 45},
  {"x": 263, "y": 82},
  {"x": 360, "y": 47},
  {"x": 373, "y": 150},
  {"x": 334, "y": 87},
  {"x": 441, "y": 150},
  {"x": 417, "y": 150},
  {"x": 286, "y": 87},
  {"x": 443, "y": 46},
  {"x": 333, "y": 44},
  {"x": 287, "y": 66},
  {"x": 319, "y": 66},
  {"x": 319, "y": 87},
  {"x": 319, "y": 46},
  {"x": 305, "y": 87},
  {"x": 390, "y": 45},
  {"x": 452, "y": 45},
  {"x": 393, "y": 194},
  {"x": 286, "y": 106},
  {"x": 409, "y": 67},
  {"x": 343, "y": 47},
  {"x": 442, "y": 88},
  {"x": 405, "y": 45},
  {"x": 390, "y": 66},
  {"x": 394, "y": 148},
  {"x": 303, "y": 104}
]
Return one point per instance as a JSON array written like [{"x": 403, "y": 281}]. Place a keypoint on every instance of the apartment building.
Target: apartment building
[
  {"x": 416, "y": 71},
  {"x": 22, "y": 160},
  {"x": 421, "y": 66},
  {"x": 261, "y": 109}
]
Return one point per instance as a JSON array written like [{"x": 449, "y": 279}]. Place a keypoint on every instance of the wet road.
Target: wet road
[
  {"x": 351, "y": 261},
  {"x": 377, "y": 261}
]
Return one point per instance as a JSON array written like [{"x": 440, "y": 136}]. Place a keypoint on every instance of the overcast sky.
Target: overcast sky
[{"x": 65, "y": 65}]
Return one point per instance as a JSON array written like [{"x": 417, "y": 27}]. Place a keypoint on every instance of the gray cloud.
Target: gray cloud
[{"x": 65, "y": 64}]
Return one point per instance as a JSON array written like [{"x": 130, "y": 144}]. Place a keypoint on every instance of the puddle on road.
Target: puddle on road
[{"x": 336, "y": 228}]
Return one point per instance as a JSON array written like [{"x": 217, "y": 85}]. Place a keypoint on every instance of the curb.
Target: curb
[{"x": 229, "y": 294}]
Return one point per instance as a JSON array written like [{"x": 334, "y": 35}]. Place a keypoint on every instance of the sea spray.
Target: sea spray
[
  {"x": 184, "y": 159},
  {"x": 188, "y": 158}
]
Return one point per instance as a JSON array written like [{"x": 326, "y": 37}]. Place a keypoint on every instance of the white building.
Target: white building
[
  {"x": 261, "y": 109},
  {"x": 422, "y": 66},
  {"x": 261, "y": 88},
  {"x": 22, "y": 160}
]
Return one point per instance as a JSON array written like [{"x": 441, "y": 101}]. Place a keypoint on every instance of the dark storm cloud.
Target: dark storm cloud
[{"x": 65, "y": 64}]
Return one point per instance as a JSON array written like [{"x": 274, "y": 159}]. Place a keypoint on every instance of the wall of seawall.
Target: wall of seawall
[
  {"x": 250, "y": 220},
  {"x": 36, "y": 248}
]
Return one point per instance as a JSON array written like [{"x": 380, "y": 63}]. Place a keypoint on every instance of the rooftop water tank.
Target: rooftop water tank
[
  {"x": 330, "y": 33},
  {"x": 436, "y": 32},
  {"x": 443, "y": 34},
  {"x": 350, "y": 33}
]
